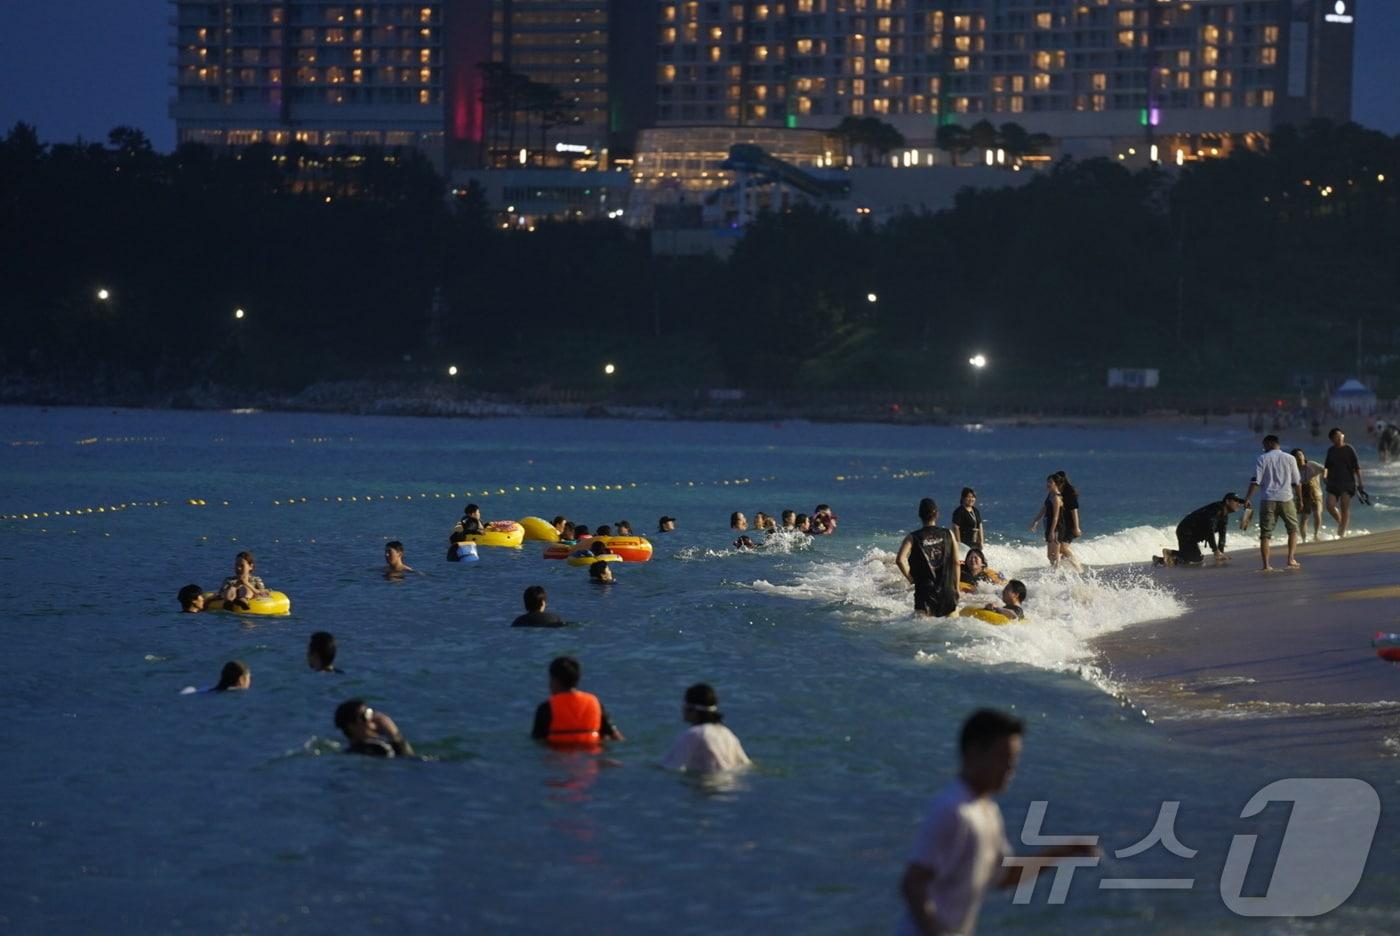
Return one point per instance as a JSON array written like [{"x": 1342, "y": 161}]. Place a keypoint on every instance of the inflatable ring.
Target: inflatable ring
[
  {"x": 503, "y": 533},
  {"x": 563, "y": 549},
  {"x": 539, "y": 530},
  {"x": 585, "y": 558},
  {"x": 985, "y": 616},
  {"x": 274, "y": 603},
  {"x": 630, "y": 548}
]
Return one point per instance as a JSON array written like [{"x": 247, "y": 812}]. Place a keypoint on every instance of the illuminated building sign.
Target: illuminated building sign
[{"x": 1339, "y": 13}]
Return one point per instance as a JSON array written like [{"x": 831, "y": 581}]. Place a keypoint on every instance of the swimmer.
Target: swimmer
[
  {"x": 1011, "y": 596},
  {"x": 567, "y": 534},
  {"x": 320, "y": 653},
  {"x": 471, "y": 522},
  {"x": 823, "y": 521},
  {"x": 559, "y": 523},
  {"x": 789, "y": 521},
  {"x": 974, "y": 569},
  {"x": 599, "y": 548},
  {"x": 624, "y": 528},
  {"x": 581, "y": 533},
  {"x": 803, "y": 524},
  {"x": 967, "y": 521},
  {"x": 745, "y": 544},
  {"x": 243, "y": 584},
  {"x": 393, "y": 560},
  {"x": 738, "y": 522},
  {"x": 707, "y": 746},
  {"x": 535, "y": 614},
  {"x": 571, "y": 716},
  {"x": 760, "y": 521},
  {"x": 928, "y": 558},
  {"x": 600, "y": 572},
  {"x": 666, "y": 525},
  {"x": 458, "y": 548},
  {"x": 604, "y": 530},
  {"x": 235, "y": 676},
  {"x": 191, "y": 599},
  {"x": 371, "y": 733}
]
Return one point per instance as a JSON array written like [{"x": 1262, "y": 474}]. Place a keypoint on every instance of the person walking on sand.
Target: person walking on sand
[
  {"x": 1279, "y": 484},
  {"x": 1341, "y": 473}
]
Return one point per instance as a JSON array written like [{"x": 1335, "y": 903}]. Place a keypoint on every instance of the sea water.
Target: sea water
[{"x": 131, "y": 808}]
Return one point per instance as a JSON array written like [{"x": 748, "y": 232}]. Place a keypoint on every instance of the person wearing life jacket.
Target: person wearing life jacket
[{"x": 571, "y": 717}]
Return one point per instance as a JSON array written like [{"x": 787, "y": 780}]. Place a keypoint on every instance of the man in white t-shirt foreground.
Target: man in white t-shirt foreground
[
  {"x": 1278, "y": 482},
  {"x": 962, "y": 841}
]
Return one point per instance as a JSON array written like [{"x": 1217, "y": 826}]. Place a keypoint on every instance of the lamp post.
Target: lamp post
[
  {"x": 609, "y": 369},
  {"x": 103, "y": 294},
  {"x": 452, "y": 371},
  {"x": 239, "y": 313}
]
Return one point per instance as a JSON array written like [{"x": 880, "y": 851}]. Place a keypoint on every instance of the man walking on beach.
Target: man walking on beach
[
  {"x": 962, "y": 841},
  {"x": 1279, "y": 484},
  {"x": 933, "y": 570}
]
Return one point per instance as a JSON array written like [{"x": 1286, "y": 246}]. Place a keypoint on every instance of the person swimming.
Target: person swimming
[
  {"x": 234, "y": 676},
  {"x": 370, "y": 733},
  {"x": 320, "y": 653},
  {"x": 600, "y": 572},
  {"x": 823, "y": 521},
  {"x": 191, "y": 599},
  {"x": 745, "y": 544},
  {"x": 394, "y": 566},
  {"x": 738, "y": 522},
  {"x": 1012, "y": 597},
  {"x": 471, "y": 522},
  {"x": 666, "y": 524},
  {"x": 974, "y": 569},
  {"x": 604, "y": 530},
  {"x": 624, "y": 528},
  {"x": 707, "y": 746},
  {"x": 243, "y": 584},
  {"x": 572, "y": 717}
]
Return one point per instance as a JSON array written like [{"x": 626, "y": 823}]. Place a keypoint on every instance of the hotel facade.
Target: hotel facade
[{"x": 1090, "y": 73}]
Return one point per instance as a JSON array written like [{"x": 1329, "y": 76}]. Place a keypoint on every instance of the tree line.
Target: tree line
[{"x": 1232, "y": 276}]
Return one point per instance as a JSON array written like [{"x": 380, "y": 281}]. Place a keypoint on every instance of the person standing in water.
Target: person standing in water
[
  {"x": 1069, "y": 518},
  {"x": 1310, "y": 491},
  {"x": 1050, "y": 511},
  {"x": 1277, "y": 480},
  {"x": 1341, "y": 474},
  {"x": 928, "y": 558},
  {"x": 967, "y": 520}
]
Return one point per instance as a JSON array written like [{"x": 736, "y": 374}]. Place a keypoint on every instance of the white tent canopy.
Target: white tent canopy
[{"x": 1352, "y": 397}]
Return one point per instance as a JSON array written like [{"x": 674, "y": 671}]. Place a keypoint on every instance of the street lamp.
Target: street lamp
[
  {"x": 452, "y": 371},
  {"x": 871, "y": 297},
  {"x": 104, "y": 295},
  {"x": 609, "y": 369},
  {"x": 238, "y": 313},
  {"x": 978, "y": 361}
]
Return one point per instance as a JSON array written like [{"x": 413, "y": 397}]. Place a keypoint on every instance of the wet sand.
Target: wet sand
[{"x": 1276, "y": 663}]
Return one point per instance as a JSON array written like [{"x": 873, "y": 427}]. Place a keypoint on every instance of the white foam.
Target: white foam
[
  {"x": 1065, "y": 611},
  {"x": 779, "y": 542}
]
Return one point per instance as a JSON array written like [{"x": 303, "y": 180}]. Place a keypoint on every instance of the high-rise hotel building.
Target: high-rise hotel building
[
  {"x": 357, "y": 73},
  {"x": 1086, "y": 72}
]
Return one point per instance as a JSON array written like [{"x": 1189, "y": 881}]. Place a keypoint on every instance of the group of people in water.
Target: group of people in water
[{"x": 820, "y": 522}]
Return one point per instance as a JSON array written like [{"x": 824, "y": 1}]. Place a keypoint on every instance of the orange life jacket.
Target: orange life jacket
[{"x": 575, "y": 718}]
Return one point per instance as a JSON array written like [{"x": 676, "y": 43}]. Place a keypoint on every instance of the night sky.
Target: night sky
[{"x": 80, "y": 67}]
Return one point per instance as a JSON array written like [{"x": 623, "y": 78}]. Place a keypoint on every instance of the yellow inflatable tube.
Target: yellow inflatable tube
[
  {"x": 504, "y": 533},
  {"x": 539, "y": 530},
  {"x": 583, "y": 558},
  {"x": 274, "y": 603},
  {"x": 987, "y": 617}
]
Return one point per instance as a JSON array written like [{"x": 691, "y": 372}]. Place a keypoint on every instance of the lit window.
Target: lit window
[
  {"x": 426, "y": 56},
  {"x": 882, "y": 46},
  {"x": 357, "y": 56},
  {"x": 760, "y": 12},
  {"x": 1042, "y": 21},
  {"x": 1268, "y": 55},
  {"x": 760, "y": 111},
  {"x": 961, "y": 105},
  {"x": 715, "y": 53},
  {"x": 1100, "y": 81},
  {"x": 760, "y": 53},
  {"x": 1209, "y": 77},
  {"x": 804, "y": 46},
  {"x": 1125, "y": 38},
  {"x": 1227, "y": 98},
  {"x": 961, "y": 62},
  {"x": 1100, "y": 102},
  {"x": 668, "y": 35},
  {"x": 883, "y": 24},
  {"x": 858, "y": 107},
  {"x": 881, "y": 65},
  {"x": 962, "y": 23},
  {"x": 1040, "y": 81},
  {"x": 858, "y": 66},
  {"x": 716, "y": 33},
  {"x": 1018, "y": 83},
  {"x": 425, "y": 75},
  {"x": 1183, "y": 59},
  {"x": 1270, "y": 35},
  {"x": 668, "y": 14},
  {"x": 425, "y": 15},
  {"x": 1183, "y": 79},
  {"x": 1210, "y": 35},
  {"x": 357, "y": 75},
  {"x": 1266, "y": 97},
  {"x": 1125, "y": 18},
  {"x": 425, "y": 96},
  {"x": 962, "y": 43},
  {"x": 1042, "y": 60},
  {"x": 1208, "y": 99},
  {"x": 668, "y": 73},
  {"x": 880, "y": 105},
  {"x": 1018, "y": 104},
  {"x": 1210, "y": 55},
  {"x": 804, "y": 105}
]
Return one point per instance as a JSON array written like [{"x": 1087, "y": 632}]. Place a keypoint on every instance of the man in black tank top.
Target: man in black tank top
[{"x": 928, "y": 558}]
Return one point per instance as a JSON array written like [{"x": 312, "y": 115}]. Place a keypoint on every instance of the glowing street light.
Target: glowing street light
[
  {"x": 104, "y": 295},
  {"x": 238, "y": 313},
  {"x": 452, "y": 371},
  {"x": 609, "y": 369},
  {"x": 871, "y": 297},
  {"x": 978, "y": 361}
]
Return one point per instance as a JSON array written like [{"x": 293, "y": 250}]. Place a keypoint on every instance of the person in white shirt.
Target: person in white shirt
[
  {"x": 1279, "y": 484},
  {"x": 962, "y": 840},
  {"x": 707, "y": 746}
]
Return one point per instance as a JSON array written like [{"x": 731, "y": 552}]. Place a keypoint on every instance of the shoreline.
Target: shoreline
[
  {"x": 375, "y": 398},
  {"x": 1278, "y": 664}
]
